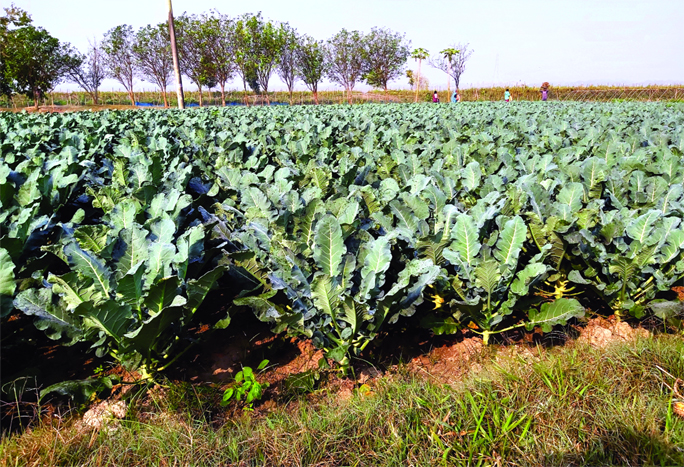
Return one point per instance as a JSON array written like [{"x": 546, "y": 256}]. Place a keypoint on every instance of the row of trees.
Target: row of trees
[{"x": 213, "y": 50}]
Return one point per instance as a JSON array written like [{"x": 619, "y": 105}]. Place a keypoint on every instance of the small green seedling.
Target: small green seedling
[{"x": 246, "y": 387}]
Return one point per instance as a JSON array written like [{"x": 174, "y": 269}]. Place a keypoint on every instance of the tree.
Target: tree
[
  {"x": 221, "y": 49},
  {"x": 14, "y": 18},
  {"x": 88, "y": 71},
  {"x": 385, "y": 54},
  {"x": 194, "y": 39},
  {"x": 345, "y": 58},
  {"x": 419, "y": 55},
  {"x": 453, "y": 61},
  {"x": 259, "y": 45},
  {"x": 33, "y": 62},
  {"x": 311, "y": 64},
  {"x": 152, "y": 52},
  {"x": 287, "y": 62},
  {"x": 119, "y": 60},
  {"x": 241, "y": 51}
]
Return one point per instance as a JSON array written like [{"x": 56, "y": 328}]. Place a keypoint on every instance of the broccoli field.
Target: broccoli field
[{"x": 334, "y": 223}]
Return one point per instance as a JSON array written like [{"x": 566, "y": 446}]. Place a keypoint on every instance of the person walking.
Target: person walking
[
  {"x": 507, "y": 95},
  {"x": 435, "y": 97},
  {"x": 454, "y": 97}
]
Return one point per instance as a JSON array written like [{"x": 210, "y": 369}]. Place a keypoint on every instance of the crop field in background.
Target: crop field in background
[{"x": 519, "y": 93}]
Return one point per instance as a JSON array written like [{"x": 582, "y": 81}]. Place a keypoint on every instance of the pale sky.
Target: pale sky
[{"x": 568, "y": 42}]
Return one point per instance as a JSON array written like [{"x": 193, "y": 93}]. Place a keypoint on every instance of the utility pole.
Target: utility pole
[{"x": 174, "y": 52}]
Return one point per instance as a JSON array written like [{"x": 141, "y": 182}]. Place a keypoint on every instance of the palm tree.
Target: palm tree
[{"x": 419, "y": 55}]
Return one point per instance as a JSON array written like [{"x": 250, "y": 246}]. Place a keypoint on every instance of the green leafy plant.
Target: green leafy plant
[{"x": 246, "y": 388}]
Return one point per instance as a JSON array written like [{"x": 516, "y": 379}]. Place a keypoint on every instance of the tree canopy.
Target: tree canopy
[
  {"x": 213, "y": 49},
  {"x": 345, "y": 56},
  {"x": 385, "y": 55},
  {"x": 32, "y": 61}
]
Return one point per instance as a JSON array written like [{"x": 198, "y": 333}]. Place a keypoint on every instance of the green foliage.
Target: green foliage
[
  {"x": 385, "y": 54},
  {"x": 32, "y": 62},
  {"x": 332, "y": 223},
  {"x": 246, "y": 389}
]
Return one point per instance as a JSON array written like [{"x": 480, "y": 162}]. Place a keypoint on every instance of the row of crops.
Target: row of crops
[{"x": 334, "y": 223}]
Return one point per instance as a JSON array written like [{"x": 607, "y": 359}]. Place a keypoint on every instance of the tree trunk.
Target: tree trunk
[
  {"x": 166, "y": 103},
  {"x": 223, "y": 94},
  {"x": 418, "y": 82},
  {"x": 131, "y": 96},
  {"x": 36, "y": 99},
  {"x": 315, "y": 93},
  {"x": 291, "y": 98},
  {"x": 201, "y": 102}
]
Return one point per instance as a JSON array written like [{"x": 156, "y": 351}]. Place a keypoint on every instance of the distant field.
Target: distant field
[{"x": 523, "y": 93}]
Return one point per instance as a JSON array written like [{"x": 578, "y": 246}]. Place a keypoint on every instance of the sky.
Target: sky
[{"x": 564, "y": 42}]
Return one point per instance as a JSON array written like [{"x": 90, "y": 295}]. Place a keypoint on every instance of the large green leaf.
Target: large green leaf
[
  {"x": 556, "y": 312},
  {"x": 199, "y": 288},
  {"x": 325, "y": 295},
  {"x": 255, "y": 202},
  {"x": 530, "y": 273},
  {"x": 510, "y": 242},
  {"x": 305, "y": 228},
  {"x": 123, "y": 214},
  {"x": 375, "y": 264},
  {"x": 110, "y": 317},
  {"x": 262, "y": 305},
  {"x": 642, "y": 227},
  {"x": 163, "y": 230},
  {"x": 487, "y": 275},
  {"x": 163, "y": 294},
  {"x": 76, "y": 289},
  {"x": 466, "y": 240},
  {"x": 136, "y": 249},
  {"x": 472, "y": 175},
  {"x": 160, "y": 261},
  {"x": 85, "y": 263},
  {"x": 571, "y": 196},
  {"x": 190, "y": 247},
  {"x": 54, "y": 320},
  {"x": 130, "y": 287},
  {"x": 406, "y": 222},
  {"x": 92, "y": 237},
  {"x": 329, "y": 247},
  {"x": 7, "y": 284},
  {"x": 144, "y": 338}
]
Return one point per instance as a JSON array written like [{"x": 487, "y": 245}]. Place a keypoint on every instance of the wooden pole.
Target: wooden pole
[{"x": 174, "y": 52}]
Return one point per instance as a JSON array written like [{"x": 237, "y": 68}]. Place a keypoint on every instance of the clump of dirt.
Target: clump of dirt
[
  {"x": 447, "y": 364},
  {"x": 304, "y": 357},
  {"x": 601, "y": 332}
]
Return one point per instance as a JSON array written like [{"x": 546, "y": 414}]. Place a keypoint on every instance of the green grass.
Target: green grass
[{"x": 570, "y": 405}]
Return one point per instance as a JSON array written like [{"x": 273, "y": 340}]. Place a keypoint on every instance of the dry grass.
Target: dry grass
[
  {"x": 572, "y": 405},
  {"x": 81, "y": 100}
]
